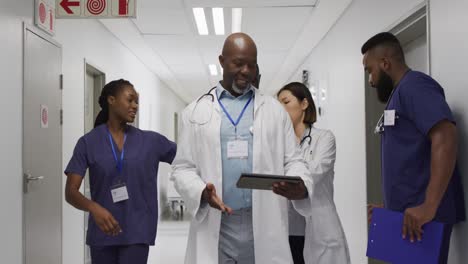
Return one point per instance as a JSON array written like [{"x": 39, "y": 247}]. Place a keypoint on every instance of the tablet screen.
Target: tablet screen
[{"x": 263, "y": 181}]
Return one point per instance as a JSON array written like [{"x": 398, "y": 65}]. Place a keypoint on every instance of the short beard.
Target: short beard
[
  {"x": 238, "y": 90},
  {"x": 384, "y": 87}
]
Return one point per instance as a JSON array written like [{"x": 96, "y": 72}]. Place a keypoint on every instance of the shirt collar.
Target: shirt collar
[
  {"x": 403, "y": 78},
  {"x": 398, "y": 86}
]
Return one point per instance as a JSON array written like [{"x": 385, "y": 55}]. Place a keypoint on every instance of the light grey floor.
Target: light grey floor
[{"x": 171, "y": 243}]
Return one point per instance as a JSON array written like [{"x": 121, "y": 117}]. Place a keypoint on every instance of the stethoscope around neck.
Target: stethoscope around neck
[
  {"x": 308, "y": 138},
  {"x": 209, "y": 93},
  {"x": 206, "y": 118},
  {"x": 206, "y": 108}
]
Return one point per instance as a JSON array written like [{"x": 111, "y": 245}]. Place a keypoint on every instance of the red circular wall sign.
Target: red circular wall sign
[
  {"x": 42, "y": 13},
  {"x": 96, "y": 7}
]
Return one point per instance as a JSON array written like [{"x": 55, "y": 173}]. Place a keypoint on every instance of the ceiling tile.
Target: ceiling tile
[
  {"x": 279, "y": 20},
  {"x": 163, "y": 21},
  {"x": 196, "y": 86},
  {"x": 274, "y": 42},
  {"x": 269, "y": 62},
  {"x": 168, "y": 27},
  {"x": 175, "y": 50},
  {"x": 172, "y": 4},
  {"x": 190, "y": 71},
  {"x": 250, "y": 3}
]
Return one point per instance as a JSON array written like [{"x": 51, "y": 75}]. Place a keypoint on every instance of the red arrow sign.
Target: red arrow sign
[{"x": 65, "y": 4}]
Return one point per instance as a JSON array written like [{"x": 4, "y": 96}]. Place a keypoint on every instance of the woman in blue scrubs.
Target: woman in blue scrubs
[{"x": 123, "y": 165}]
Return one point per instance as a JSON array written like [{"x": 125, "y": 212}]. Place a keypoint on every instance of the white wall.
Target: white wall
[
  {"x": 449, "y": 54},
  {"x": 165, "y": 123},
  {"x": 80, "y": 39},
  {"x": 11, "y": 34},
  {"x": 337, "y": 62}
]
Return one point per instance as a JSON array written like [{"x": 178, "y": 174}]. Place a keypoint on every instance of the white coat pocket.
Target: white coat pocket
[{"x": 324, "y": 227}]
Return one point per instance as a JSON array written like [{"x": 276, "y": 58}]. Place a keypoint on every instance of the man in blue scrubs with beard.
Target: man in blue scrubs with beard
[{"x": 419, "y": 143}]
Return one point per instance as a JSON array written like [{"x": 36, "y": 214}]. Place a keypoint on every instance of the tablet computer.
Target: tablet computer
[{"x": 263, "y": 181}]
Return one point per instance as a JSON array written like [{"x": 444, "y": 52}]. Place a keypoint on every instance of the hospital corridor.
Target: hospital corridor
[{"x": 234, "y": 131}]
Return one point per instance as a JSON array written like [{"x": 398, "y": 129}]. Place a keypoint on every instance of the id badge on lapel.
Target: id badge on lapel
[
  {"x": 238, "y": 148},
  {"x": 389, "y": 117},
  {"x": 119, "y": 192}
]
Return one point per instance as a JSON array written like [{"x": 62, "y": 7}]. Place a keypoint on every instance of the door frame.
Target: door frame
[
  {"x": 102, "y": 75},
  {"x": 409, "y": 18},
  {"x": 32, "y": 29}
]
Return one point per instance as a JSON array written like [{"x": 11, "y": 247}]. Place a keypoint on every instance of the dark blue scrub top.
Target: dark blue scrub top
[
  {"x": 137, "y": 216},
  {"x": 420, "y": 104}
]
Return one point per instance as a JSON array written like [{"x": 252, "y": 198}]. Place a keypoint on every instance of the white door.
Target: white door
[{"x": 42, "y": 150}]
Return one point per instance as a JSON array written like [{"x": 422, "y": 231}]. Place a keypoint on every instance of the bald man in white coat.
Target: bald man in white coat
[{"x": 255, "y": 230}]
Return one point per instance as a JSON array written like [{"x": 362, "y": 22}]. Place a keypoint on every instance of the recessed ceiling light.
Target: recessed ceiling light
[
  {"x": 200, "y": 19},
  {"x": 218, "y": 20},
  {"x": 236, "y": 20}
]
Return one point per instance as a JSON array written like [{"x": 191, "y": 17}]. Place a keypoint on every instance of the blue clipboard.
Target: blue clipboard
[{"x": 385, "y": 241}]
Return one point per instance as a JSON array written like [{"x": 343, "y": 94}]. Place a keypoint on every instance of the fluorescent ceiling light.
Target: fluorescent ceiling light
[
  {"x": 236, "y": 20},
  {"x": 213, "y": 70},
  {"x": 200, "y": 19},
  {"x": 218, "y": 20}
]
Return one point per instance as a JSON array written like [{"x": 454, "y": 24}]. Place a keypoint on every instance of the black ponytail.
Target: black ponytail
[{"x": 110, "y": 89}]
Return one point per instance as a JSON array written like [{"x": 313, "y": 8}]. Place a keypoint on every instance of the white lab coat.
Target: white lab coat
[
  {"x": 198, "y": 161},
  {"x": 325, "y": 241}
]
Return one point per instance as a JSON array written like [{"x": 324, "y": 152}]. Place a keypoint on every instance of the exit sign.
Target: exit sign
[{"x": 95, "y": 8}]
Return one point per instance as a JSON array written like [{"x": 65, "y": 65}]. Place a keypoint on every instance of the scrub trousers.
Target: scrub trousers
[
  {"x": 296, "y": 243},
  {"x": 236, "y": 241},
  {"x": 128, "y": 254}
]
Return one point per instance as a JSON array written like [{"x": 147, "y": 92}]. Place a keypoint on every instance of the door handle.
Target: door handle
[
  {"x": 29, "y": 177},
  {"x": 35, "y": 178}
]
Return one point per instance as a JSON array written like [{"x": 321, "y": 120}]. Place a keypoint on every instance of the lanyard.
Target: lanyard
[
  {"x": 241, "y": 114},
  {"x": 118, "y": 162}
]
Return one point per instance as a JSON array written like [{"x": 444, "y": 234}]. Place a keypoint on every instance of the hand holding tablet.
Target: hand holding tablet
[{"x": 290, "y": 187}]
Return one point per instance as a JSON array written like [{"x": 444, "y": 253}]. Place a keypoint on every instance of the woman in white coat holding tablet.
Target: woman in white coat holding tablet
[{"x": 319, "y": 237}]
